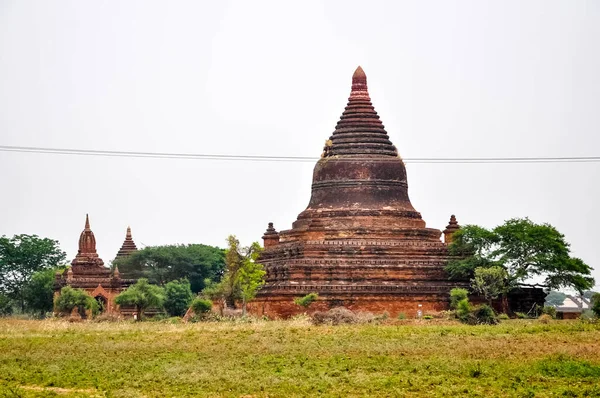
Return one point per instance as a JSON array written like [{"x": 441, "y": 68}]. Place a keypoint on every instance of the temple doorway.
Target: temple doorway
[{"x": 102, "y": 303}]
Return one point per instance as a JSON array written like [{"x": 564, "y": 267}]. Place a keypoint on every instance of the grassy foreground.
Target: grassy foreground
[{"x": 294, "y": 358}]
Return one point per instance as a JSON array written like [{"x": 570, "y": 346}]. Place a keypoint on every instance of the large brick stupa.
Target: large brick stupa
[{"x": 360, "y": 243}]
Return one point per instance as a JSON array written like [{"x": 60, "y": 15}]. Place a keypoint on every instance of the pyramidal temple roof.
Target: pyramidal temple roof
[
  {"x": 360, "y": 131},
  {"x": 128, "y": 246}
]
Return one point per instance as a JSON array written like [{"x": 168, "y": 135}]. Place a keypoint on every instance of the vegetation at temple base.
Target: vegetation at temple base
[
  {"x": 472, "y": 315},
  {"x": 142, "y": 296},
  {"x": 20, "y": 258},
  {"x": 307, "y": 300},
  {"x": 70, "y": 298},
  {"x": 525, "y": 250},
  {"x": 201, "y": 306},
  {"x": 162, "y": 264},
  {"x": 294, "y": 358},
  {"x": 178, "y": 296},
  {"x": 243, "y": 275}
]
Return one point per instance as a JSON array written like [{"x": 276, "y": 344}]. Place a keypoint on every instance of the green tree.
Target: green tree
[
  {"x": 243, "y": 275},
  {"x": 588, "y": 294},
  {"x": 178, "y": 296},
  {"x": 524, "y": 249},
  {"x": 555, "y": 299},
  {"x": 490, "y": 282},
  {"x": 20, "y": 257},
  {"x": 142, "y": 295},
  {"x": 6, "y": 305},
  {"x": 251, "y": 276},
  {"x": 596, "y": 304},
  {"x": 39, "y": 292},
  {"x": 162, "y": 264},
  {"x": 70, "y": 298}
]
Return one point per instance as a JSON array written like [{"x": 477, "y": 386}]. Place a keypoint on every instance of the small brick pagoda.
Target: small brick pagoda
[
  {"x": 360, "y": 243},
  {"x": 128, "y": 246},
  {"x": 88, "y": 272}
]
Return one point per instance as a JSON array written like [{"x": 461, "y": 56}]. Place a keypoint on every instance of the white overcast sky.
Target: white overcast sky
[{"x": 448, "y": 78}]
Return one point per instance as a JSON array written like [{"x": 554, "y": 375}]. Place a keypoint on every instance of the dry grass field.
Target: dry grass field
[{"x": 519, "y": 358}]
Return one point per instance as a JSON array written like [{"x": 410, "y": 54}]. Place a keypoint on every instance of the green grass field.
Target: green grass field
[{"x": 523, "y": 358}]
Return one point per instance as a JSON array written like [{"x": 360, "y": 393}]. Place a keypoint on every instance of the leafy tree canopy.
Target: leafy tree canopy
[
  {"x": 142, "y": 295},
  {"x": 524, "y": 249},
  {"x": 20, "y": 257},
  {"x": 555, "y": 298},
  {"x": 162, "y": 264},
  {"x": 251, "y": 275},
  {"x": 243, "y": 276},
  {"x": 490, "y": 282},
  {"x": 178, "y": 296},
  {"x": 39, "y": 292}
]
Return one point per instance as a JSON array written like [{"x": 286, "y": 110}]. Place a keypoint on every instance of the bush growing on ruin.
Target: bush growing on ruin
[
  {"x": 201, "y": 306},
  {"x": 178, "y": 296},
  {"x": 307, "y": 300},
  {"x": 70, "y": 298}
]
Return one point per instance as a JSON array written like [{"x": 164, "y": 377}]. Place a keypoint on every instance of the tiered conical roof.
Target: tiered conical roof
[
  {"x": 360, "y": 131},
  {"x": 128, "y": 246},
  {"x": 359, "y": 173}
]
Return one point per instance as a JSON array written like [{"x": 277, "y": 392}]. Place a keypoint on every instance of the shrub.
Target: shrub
[
  {"x": 457, "y": 295},
  {"x": 550, "y": 311},
  {"x": 503, "y": 316},
  {"x": 485, "y": 315},
  {"x": 201, "y": 306},
  {"x": 463, "y": 310},
  {"x": 428, "y": 317},
  {"x": 70, "y": 298},
  {"x": 521, "y": 315},
  {"x": 178, "y": 296},
  {"x": 545, "y": 318},
  {"x": 307, "y": 300},
  {"x": 401, "y": 316}
]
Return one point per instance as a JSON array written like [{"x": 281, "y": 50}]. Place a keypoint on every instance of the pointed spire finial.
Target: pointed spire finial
[
  {"x": 359, "y": 76},
  {"x": 128, "y": 235},
  {"x": 359, "y": 85},
  {"x": 87, "y": 221}
]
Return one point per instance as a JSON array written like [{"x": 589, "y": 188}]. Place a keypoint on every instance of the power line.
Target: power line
[{"x": 263, "y": 158}]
